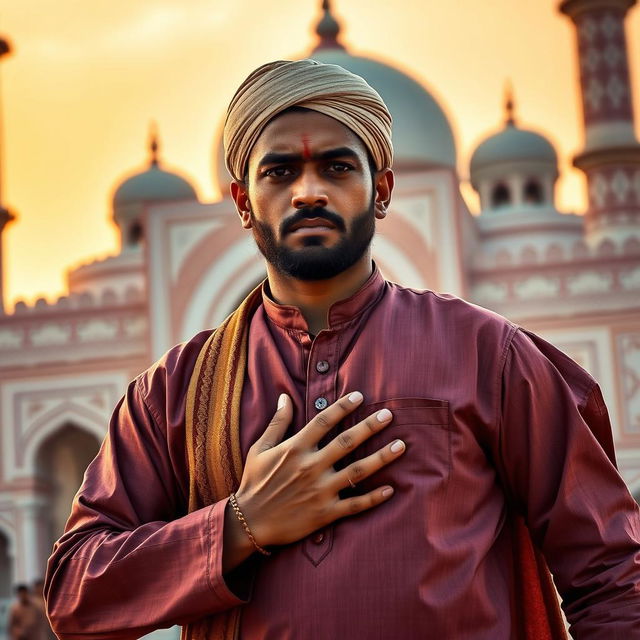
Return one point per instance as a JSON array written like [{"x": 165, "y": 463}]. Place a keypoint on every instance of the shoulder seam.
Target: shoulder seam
[
  {"x": 501, "y": 366},
  {"x": 148, "y": 406}
]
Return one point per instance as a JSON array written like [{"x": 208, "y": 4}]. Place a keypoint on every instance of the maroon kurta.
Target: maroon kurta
[{"x": 495, "y": 419}]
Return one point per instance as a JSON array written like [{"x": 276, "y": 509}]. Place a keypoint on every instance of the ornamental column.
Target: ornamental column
[
  {"x": 5, "y": 214},
  {"x": 611, "y": 155},
  {"x": 33, "y": 558}
]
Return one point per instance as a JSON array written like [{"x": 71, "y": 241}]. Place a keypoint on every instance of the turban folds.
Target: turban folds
[{"x": 325, "y": 88}]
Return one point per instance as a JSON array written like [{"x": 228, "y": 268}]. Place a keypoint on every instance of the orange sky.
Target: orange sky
[{"x": 87, "y": 76}]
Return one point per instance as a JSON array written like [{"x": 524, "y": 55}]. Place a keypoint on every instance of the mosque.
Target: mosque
[{"x": 183, "y": 265}]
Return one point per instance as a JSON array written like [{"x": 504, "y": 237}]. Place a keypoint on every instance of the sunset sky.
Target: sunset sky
[{"x": 87, "y": 76}]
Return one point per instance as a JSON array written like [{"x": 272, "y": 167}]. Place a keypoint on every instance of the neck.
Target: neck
[{"x": 315, "y": 297}]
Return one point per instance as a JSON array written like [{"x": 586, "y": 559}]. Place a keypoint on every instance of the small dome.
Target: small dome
[
  {"x": 153, "y": 184},
  {"x": 422, "y": 135},
  {"x": 510, "y": 145}
]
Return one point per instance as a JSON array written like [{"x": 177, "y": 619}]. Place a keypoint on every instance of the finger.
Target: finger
[
  {"x": 276, "y": 429},
  {"x": 358, "y": 504},
  {"x": 361, "y": 469},
  {"x": 320, "y": 425},
  {"x": 351, "y": 438}
]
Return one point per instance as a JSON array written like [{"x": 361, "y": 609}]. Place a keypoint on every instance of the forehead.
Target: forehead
[{"x": 290, "y": 132}]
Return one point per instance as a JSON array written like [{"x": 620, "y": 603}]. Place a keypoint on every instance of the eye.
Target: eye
[
  {"x": 281, "y": 171},
  {"x": 340, "y": 167}
]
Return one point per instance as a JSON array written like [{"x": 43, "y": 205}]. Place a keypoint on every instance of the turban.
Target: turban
[{"x": 325, "y": 88}]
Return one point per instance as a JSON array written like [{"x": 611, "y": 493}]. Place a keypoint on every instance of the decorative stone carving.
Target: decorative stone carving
[
  {"x": 95, "y": 330},
  {"x": 589, "y": 282},
  {"x": 610, "y": 26},
  {"x": 620, "y": 186},
  {"x": 630, "y": 279},
  {"x": 488, "y": 292},
  {"x": 598, "y": 190},
  {"x": 136, "y": 327},
  {"x": 537, "y": 287},
  {"x": 50, "y": 334},
  {"x": 629, "y": 357},
  {"x": 616, "y": 91},
  {"x": 11, "y": 338}
]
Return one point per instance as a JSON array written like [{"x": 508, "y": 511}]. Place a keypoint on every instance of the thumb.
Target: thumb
[{"x": 276, "y": 429}]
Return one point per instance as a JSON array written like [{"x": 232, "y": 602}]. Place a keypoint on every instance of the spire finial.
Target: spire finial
[
  {"x": 153, "y": 143},
  {"x": 328, "y": 29},
  {"x": 5, "y": 50},
  {"x": 509, "y": 103}
]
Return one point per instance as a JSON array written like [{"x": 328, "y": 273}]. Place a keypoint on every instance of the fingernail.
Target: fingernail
[
  {"x": 397, "y": 446},
  {"x": 354, "y": 397},
  {"x": 383, "y": 415},
  {"x": 282, "y": 400},
  {"x": 387, "y": 491}
]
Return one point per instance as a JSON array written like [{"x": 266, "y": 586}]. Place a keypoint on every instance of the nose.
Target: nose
[{"x": 308, "y": 191}]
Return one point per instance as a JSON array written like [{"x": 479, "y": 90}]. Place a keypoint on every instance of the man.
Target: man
[
  {"x": 37, "y": 597},
  {"x": 26, "y": 619},
  {"x": 344, "y": 457}
]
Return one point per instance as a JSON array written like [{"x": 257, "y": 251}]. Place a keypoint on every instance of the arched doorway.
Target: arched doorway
[
  {"x": 6, "y": 579},
  {"x": 61, "y": 462}
]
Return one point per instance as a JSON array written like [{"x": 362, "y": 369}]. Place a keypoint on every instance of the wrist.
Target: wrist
[{"x": 248, "y": 530}]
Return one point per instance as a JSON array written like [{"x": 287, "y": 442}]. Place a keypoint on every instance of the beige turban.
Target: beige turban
[{"x": 326, "y": 88}]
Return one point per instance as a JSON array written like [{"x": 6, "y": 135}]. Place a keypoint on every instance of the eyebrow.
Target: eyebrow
[{"x": 289, "y": 158}]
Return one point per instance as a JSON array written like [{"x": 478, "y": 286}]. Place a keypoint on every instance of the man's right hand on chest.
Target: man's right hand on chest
[{"x": 290, "y": 488}]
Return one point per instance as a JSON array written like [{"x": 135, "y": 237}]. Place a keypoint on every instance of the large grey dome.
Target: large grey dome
[
  {"x": 422, "y": 135},
  {"x": 421, "y": 132}
]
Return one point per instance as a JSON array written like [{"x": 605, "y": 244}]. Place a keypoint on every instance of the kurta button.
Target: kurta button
[
  {"x": 321, "y": 403},
  {"x": 318, "y": 538},
  {"x": 322, "y": 366}
]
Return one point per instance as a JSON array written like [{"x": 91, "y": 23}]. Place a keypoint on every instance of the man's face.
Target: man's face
[{"x": 311, "y": 197}]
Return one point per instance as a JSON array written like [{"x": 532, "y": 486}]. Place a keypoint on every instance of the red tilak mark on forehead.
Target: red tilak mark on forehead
[{"x": 306, "y": 150}]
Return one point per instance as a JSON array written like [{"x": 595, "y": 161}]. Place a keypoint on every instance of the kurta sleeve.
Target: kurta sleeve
[
  {"x": 556, "y": 457},
  {"x": 131, "y": 559}
]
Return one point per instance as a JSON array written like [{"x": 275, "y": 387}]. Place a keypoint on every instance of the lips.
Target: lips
[{"x": 312, "y": 223}]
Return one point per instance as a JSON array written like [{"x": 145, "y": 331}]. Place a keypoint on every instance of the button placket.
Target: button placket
[
  {"x": 321, "y": 384},
  {"x": 317, "y": 546}
]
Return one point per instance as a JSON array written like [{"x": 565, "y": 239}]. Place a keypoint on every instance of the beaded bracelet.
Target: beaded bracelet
[{"x": 243, "y": 522}]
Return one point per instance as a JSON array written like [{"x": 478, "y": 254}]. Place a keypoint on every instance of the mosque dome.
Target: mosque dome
[
  {"x": 510, "y": 145},
  {"x": 153, "y": 185},
  {"x": 422, "y": 135},
  {"x": 514, "y": 168}
]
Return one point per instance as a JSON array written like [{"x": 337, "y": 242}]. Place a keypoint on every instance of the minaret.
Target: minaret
[
  {"x": 611, "y": 155},
  {"x": 5, "y": 215}
]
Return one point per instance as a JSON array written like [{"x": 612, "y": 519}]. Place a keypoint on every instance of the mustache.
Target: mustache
[{"x": 307, "y": 213}]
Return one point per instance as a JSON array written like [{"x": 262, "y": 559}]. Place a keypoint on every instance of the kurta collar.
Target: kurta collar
[{"x": 290, "y": 317}]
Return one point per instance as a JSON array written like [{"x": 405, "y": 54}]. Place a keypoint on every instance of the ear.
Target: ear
[
  {"x": 241, "y": 199},
  {"x": 384, "y": 182}
]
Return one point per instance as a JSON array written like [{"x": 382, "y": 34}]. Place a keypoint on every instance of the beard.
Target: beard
[{"x": 313, "y": 261}]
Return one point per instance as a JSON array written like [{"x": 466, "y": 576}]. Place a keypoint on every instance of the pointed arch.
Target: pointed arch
[{"x": 63, "y": 414}]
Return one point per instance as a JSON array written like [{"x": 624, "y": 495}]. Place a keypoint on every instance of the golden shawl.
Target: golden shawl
[{"x": 215, "y": 469}]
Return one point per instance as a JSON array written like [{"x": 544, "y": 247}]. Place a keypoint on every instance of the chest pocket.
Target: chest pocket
[{"x": 423, "y": 425}]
